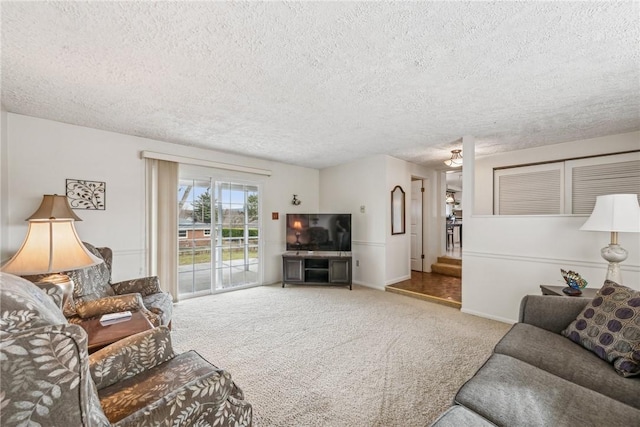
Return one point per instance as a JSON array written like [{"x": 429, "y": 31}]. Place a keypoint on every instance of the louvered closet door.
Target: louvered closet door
[
  {"x": 529, "y": 190},
  {"x": 589, "y": 178}
]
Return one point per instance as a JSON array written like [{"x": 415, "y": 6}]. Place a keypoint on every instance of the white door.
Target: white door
[{"x": 416, "y": 225}]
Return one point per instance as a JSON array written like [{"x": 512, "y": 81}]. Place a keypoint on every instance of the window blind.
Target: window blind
[
  {"x": 591, "y": 181},
  {"x": 530, "y": 193}
]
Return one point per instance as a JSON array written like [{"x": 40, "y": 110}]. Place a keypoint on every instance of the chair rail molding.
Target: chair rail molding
[{"x": 542, "y": 260}]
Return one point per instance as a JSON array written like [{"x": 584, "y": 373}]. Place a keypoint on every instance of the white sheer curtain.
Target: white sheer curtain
[{"x": 162, "y": 223}]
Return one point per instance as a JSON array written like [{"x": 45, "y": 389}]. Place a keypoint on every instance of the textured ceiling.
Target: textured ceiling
[{"x": 322, "y": 83}]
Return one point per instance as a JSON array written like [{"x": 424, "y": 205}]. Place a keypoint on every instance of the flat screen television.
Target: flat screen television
[{"x": 319, "y": 232}]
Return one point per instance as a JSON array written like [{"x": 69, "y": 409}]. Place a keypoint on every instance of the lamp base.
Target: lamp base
[
  {"x": 66, "y": 285},
  {"x": 614, "y": 254}
]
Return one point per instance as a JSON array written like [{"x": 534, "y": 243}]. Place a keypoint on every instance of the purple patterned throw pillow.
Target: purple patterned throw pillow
[{"x": 610, "y": 327}]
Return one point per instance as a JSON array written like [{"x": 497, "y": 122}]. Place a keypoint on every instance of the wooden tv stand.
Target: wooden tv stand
[{"x": 316, "y": 268}]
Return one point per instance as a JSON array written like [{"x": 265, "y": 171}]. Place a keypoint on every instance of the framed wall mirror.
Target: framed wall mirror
[{"x": 397, "y": 210}]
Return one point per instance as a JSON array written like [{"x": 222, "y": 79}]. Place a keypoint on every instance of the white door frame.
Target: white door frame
[{"x": 417, "y": 252}]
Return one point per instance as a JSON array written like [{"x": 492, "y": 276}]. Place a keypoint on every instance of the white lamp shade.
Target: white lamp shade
[
  {"x": 615, "y": 212},
  {"x": 51, "y": 246}
]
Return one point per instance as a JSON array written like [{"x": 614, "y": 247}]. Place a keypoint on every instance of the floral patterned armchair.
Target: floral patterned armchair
[
  {"x": 49, "y": 379},
  {"x": 95, "y": 295}
]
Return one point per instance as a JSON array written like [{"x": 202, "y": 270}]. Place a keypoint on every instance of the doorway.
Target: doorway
[
  {"x": 439, "y": 282},
  {"x": 453, "y": 213}
]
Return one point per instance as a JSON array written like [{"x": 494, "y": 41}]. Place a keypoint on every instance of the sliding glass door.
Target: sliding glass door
[
  {"x": 218, "y": 235},
  {"x": 236, "y": 251}
]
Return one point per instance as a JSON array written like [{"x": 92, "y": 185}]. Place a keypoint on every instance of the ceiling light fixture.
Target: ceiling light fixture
[
  {"x": 456, "y": 159},
  {"x": 450, "y": 199}
]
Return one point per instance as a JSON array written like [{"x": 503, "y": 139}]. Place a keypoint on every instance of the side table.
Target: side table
[
  {"x": 557, "y": 291},
  {"x": 102, "y": 335}
]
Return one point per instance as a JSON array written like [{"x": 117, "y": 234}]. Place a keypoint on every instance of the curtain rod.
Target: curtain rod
[{"x": 202, "y": 162}]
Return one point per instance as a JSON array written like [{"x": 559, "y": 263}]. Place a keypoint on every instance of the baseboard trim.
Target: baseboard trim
[
  {"x": 488, "y": 316},
  {"x": 368, "y": 285},
  {"x": 398, "y": 280}
]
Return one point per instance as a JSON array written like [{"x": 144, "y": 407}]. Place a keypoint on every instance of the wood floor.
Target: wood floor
[{"x": 431, "y": 287}]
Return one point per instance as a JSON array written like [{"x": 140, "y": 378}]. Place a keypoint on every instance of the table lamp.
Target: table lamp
[
  {"x": 297, "y": 225},
  {"x": 614, "y": 213},
  {"x": 52, "y": 246}
]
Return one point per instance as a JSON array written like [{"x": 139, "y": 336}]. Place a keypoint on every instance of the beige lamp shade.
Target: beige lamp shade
[
  {"x": 615, "y": 212},
  {"x": 54, "y": 206},
  {"x": 51, "y": 246}
]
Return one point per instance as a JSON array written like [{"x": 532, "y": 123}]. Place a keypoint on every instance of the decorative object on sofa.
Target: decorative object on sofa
[
  {"x": 456, "y": 159},
  {"x": 139, "y": 380},
  {"x": 609, "y": 326},
  {"x": 295, "y": 201},
  {"x": 397, "y": 210},
  {"x": 614, "y": 213},
  {"x": 575, "y": 283},
  {"x": 84, "y": 194},
  {"x": 52, "y": 246}
]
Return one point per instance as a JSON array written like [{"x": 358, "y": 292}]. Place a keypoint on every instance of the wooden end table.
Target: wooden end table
[
  {"x": 557, "y": 290},
  {"x": 102, "y": 335}
]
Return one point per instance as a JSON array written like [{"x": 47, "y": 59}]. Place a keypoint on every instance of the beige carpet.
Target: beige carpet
[{"x": 325, "y": 356}]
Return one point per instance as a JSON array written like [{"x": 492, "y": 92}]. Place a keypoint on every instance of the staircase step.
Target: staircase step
[
  {"x": 449, "y": 260},
  {"x": 425, "y": 297},
  {"x": 447, "y": 269}
]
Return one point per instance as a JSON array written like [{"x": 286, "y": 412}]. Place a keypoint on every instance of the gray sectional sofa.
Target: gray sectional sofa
[{"x": 538, "y": 377}]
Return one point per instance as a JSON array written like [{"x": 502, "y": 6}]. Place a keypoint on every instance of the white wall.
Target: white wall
[
  {"x": 384, "y": 259},
  {"x": 398, "y": 246},
  {"x": 4, "y": 186},
  {"x": 507, "y": 257},
  {"x": 43, "y": 153},
  {"x": 346, "y": 187},
  {"x": 586, "y": 147}
]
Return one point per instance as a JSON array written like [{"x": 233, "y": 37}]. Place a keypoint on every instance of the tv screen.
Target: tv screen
[{"x": 319, "y": 232}]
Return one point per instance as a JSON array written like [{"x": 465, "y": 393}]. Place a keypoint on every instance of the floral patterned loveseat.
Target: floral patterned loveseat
[{"x": 48, "y": 378}]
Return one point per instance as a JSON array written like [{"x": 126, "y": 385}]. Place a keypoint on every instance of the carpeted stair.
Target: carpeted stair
[{"x": 448, "y": 266}]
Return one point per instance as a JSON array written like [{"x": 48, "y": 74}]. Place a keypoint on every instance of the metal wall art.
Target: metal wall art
[{"x": 83, "y": 194}]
